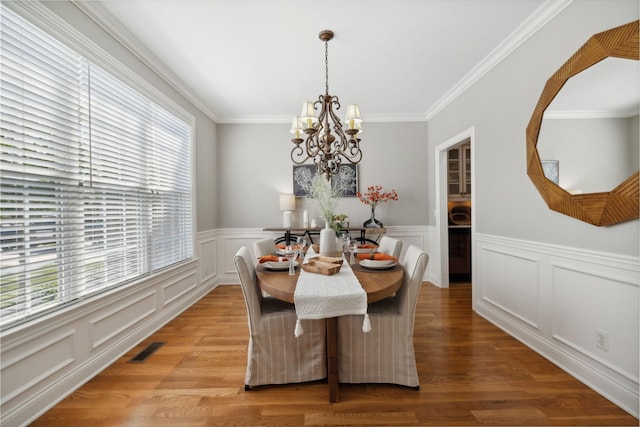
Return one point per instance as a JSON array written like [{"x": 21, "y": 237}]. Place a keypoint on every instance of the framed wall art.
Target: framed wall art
[
  {"x": 346, "y": 179},
  {"x": 551, "y": 170},
  {"x": 302, "y": 174}
]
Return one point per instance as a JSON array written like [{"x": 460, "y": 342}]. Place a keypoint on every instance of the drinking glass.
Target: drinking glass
[
  {"x": 302, "y": 243},
  {"x": 345, "y": 242},
  {"x": 353, "y": 245},
  {"x": 291, "y": 252}
]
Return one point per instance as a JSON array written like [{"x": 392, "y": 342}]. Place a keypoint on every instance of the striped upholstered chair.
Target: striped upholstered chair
[
  {"x": 385, "y": 354},
  {"x": 275, "y": 355},
  {"x": 390, "y": 246}
]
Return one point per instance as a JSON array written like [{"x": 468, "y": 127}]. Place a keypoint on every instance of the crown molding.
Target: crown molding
[
  {"x": 529, "y": 27},
  {"x": 280, "y": 119},
  {"x": 101, "y": 16}
]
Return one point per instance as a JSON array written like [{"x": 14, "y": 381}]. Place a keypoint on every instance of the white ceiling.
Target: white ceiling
[{"x": 258, "y": 60}]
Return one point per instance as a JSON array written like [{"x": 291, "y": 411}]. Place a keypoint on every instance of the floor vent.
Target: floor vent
[{"x": 144, "y": 354}]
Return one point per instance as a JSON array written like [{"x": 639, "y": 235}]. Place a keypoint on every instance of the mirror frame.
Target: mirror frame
[{"x": 606, "y": 208}]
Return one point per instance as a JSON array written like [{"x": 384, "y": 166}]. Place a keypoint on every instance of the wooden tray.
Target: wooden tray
[
  {"x": 329, "y": 259},
  {"x": 320, "y": 267}
]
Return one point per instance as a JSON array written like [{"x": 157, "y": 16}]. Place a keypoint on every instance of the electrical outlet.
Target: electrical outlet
[{"x": 602, "y": 340}]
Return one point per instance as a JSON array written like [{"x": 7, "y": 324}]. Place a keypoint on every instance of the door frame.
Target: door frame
[{"x": 441, "y": 211}]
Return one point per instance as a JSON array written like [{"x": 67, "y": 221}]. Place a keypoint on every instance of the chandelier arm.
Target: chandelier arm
[
  {"x": 353, "y": 155},
  {"x": 313, "y": 146},
  {"x": 298, "y": 152}
]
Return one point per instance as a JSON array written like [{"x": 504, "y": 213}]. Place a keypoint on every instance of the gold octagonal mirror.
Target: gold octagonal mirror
[{"x": 601, "y": 208}]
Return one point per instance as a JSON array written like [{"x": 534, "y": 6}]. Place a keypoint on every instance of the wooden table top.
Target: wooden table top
[{"x": 378, "y": 284}]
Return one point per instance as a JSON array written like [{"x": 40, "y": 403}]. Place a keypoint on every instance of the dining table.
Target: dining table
[{"x": 378, "y": 284}]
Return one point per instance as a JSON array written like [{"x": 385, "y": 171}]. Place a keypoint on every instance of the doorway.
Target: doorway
[{"x": 442, "y": 202}]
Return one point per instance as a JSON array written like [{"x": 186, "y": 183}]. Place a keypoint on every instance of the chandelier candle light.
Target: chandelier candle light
[
  {"x": 325, "y": 149},
  {"x": 373, "y": 197}
]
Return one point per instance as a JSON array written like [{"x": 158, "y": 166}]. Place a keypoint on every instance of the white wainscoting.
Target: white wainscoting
[
  {"x": 555, "y": 299},
  {"x": 45, "y": 360},
  {"x": 551, "y": 298},
  {"x": 232, "y": 239}
]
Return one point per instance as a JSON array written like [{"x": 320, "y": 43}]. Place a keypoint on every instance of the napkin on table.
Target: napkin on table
[{"x": 378, "y": 256}]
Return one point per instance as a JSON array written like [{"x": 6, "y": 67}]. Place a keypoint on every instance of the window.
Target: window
[{"x": 95, "y": 177}]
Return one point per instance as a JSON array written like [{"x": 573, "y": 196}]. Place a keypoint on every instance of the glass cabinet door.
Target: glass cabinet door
[
  {"x": 459, "y": 172},
  {"x": 453, "y": 174}
]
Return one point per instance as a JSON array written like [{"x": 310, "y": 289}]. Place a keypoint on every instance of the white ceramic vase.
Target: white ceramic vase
[{"x": 327, "y": 241}]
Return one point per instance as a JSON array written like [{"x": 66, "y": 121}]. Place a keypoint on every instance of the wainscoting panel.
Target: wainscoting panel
[
  {"x": 208, "y": 252},
  {"x": 119, "y": 316},
  {"x": 175, "y": 289},
  {"x": 599, "y": 304},
  {"x": 513, "y": 287},
  {"x": 45, "y": 360},
  {"x": 577, "y": 308},
  {"x": 33, "y": 361}
]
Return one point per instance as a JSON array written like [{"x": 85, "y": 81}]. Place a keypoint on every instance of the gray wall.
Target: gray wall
[
  {"x": 254, "y": 167},
  {"x": 500, "y": 106}
]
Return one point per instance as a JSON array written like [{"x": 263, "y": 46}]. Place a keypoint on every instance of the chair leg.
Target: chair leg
[{"x": 247, "y": 387}]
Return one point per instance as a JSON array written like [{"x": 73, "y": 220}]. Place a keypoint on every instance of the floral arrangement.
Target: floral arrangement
[
  {"x": 320, "y": 189},
  {"x": 375, "y": 196}
]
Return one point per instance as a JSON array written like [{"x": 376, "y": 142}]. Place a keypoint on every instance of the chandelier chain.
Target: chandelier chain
[{"x": 326, "y": 67}]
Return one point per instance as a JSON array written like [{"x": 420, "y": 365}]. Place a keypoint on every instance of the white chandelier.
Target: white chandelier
[{"x": 320, "y": 144}]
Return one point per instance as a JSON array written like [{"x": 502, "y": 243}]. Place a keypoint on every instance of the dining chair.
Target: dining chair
[
  {"x": 264, "y": 247},
  {"x": 386, "y": 353},
  {"x": 390, "y": 246},
  {"x": 274, "y": 354}
]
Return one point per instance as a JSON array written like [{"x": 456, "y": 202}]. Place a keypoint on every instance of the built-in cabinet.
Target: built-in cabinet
[{"x": 459, "y": 172}]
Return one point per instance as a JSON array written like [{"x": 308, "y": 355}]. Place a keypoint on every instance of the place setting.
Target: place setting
[
  {"x": 365, "y": 256},
  {"x": 285, "y": 257}
]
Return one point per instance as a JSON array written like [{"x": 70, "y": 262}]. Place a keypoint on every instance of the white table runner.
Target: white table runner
[{"x": 318, "y": 296}]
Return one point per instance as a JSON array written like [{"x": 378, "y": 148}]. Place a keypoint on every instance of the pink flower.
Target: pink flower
[{"x": 374, "y": 196}]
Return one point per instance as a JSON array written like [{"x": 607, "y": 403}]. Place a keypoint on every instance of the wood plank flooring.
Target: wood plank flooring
[{"x": 471, "y": 373}]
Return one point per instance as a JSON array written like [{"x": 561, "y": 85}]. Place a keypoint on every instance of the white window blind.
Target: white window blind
[{"x": 95, "y": 177}]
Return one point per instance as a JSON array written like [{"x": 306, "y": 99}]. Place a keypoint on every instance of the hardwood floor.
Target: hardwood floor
[{"x": 471, "y": 374}]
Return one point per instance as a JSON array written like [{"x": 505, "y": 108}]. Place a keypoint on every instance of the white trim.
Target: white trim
[
  {"x": 442, "y": 197},
  {"x": 103, "y": 18},
  {"x": 533, "y": 23},
  {"x": 601, "y": 372},
  {"x": 530, "y": 26}
]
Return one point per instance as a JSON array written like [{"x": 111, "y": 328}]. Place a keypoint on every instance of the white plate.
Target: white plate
[
  {"x": 377, "y": 264},
  {"x": 284, "y": 265}
]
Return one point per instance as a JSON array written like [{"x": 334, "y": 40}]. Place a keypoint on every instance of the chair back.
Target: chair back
[
  {"x": 264, "y": 247},
  {"x": 247, "y": 272},
  {"x": 390, "y": 246},
  {"x": 414, "y": 263}
]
